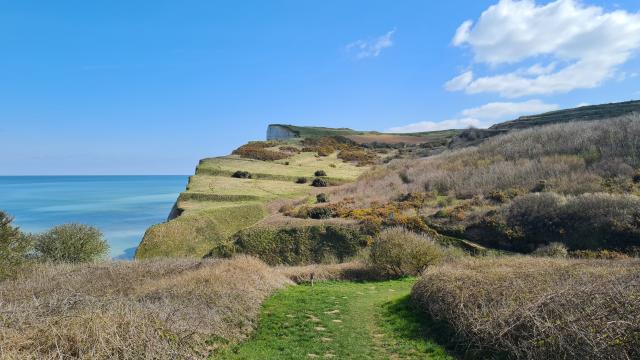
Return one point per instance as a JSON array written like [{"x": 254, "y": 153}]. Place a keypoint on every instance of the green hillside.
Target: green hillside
[{"x": 216, "y": 205}]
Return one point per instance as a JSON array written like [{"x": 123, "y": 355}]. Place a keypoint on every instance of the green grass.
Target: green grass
[
  {"x": 216, "y": 205},
  {"x": 342, "y": 320},
  {"x": 195, "y": 233}
]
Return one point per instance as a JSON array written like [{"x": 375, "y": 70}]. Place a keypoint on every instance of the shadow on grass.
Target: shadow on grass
[{"x": 406, "y": 322}]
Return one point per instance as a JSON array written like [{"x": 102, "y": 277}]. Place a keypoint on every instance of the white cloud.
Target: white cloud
[
  {"x": 503, "y": 110},
  {"x": 459, "y": 82},
  {"x": 434, "y": 126},
  {"x": 583, "y": 46},
  {"x": 480, "y": 117},
  {"x": 362, "y": 49}
]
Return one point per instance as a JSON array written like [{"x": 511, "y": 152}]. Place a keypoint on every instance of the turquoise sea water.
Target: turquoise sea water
[{"x": 122, "y": 207}]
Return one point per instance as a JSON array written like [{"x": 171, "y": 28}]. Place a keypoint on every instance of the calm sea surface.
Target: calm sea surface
[{"x": 122, "y": 207}]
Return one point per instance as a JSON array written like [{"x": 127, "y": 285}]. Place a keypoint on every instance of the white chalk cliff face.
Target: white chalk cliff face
[{"x": 278, "y": 132}]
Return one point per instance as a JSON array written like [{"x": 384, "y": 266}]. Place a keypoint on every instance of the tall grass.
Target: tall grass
[
  {"x": 537, "y": 308},
  {"x": 572, "y": 158},
  {"x": 163, "y": 309}
]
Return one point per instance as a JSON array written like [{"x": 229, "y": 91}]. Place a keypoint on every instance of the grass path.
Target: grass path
[{"x": 340, "y": 320}]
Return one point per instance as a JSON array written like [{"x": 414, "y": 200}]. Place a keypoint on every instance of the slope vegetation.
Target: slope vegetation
[{"x": 216, "y": 204}]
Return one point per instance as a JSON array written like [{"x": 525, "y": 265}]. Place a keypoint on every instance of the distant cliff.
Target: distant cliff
[{"x": 280, "y": 132}]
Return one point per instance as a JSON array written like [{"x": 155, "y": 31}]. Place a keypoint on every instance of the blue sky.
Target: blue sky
[{"x": 150, "y": 87}]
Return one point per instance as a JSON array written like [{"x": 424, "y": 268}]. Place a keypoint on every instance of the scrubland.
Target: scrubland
[
  {"x": 159, "y": 309},
  {"x": 536, "y": 308},
  {"x": 576, "y": 183}
]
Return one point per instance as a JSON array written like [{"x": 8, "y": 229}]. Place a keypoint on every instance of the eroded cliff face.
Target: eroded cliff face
[{"x": 279, "y": 132}]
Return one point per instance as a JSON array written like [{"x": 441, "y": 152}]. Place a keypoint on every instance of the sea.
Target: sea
[{"x": 122, "y": 207}]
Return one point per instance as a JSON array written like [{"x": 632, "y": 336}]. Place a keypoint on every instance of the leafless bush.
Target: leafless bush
[
  {"x": 538, "y": 308},
  {"x": 163, "y": 309}
]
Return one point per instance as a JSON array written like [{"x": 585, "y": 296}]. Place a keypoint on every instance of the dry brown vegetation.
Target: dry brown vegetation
[
  {"x": 571, "y": 158},
  {"x": 163, "y": 309},
  {"x": 259, "y": 150},
  {"x": 537, "y": 308}
]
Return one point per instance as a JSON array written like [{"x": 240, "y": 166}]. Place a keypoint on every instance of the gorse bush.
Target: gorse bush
[
  {"x": 322, "y": 198},
  {"x": 241, "y": 174},
  {"x": 319, "y": 182},
  {"x": 259, "y": 151},
  {"x": 320, "y": 213},
  {"x": 14, "y": 247},
  {"x": 71, "y": 243},
  {"x": 301, "y": 180},
  {"x": 320, "y": 173},
  {"x": 400, "y": 252}
]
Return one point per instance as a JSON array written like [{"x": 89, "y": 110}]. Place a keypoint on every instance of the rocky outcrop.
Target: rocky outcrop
[{"x": 280, "y": 132}]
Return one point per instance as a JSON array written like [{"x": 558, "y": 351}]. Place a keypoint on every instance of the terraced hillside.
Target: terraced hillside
[{"x": 215, "y": 205}]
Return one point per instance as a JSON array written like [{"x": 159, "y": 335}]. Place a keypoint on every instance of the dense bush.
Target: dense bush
[
  {"x": 319, "y": 182},
  {"x": 320, "y": 213},
  {"x": 14, "y": 247},
  {"x": 520, "y": 307},
  {"x": 360, "y": 156},
  {"x": 322, "y": 198},
  {"x": 300, "y": 245},
  {"x": 587, "y": 221},
  {"x": 259, "y": 151},
  {"x": 399, "y": 252},
  {"x": 71, "y": 243},
  {"x": 241, "y": 174},
  {"x": 301, "y": 180},
  {"x": 320, "y": 173}
]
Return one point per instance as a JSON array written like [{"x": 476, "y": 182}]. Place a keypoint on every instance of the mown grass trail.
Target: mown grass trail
[{"x": 341, "y": 320}]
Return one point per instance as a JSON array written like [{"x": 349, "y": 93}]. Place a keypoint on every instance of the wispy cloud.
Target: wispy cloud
[
  {"x": 504, "y": 110},
  {"x": 583, "y": 45},
  {"x": 435, "y": 126},
  {"x": 363, "y": 49},
  {"x": 481, "y": 116}
]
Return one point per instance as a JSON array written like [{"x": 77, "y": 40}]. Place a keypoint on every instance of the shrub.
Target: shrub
[
  {"x": 399, "y": 252},
  {"x": 588, "y": 221},
  {"x": 359, "y": 156},
  {"x": 300, "y": 245},
  {"x": 322, "y": 198},
  {"x": 556, "y": 250},
  {"x": 258, "y": 151},
  {"x": 301, "y": 180},
  {"x": 241, "y": 174},
  {"x": 320, "y": 213},
  {"x": 636, "y": 177},
  {"x": 320, "y": 173},
  {"x": 131, "y": 310},
  {"x": 319, "y": 182},
  {"x": 520, "y": 307},
  {"x": 14, "y": 247},
  {"x": 71, "y": 243}
]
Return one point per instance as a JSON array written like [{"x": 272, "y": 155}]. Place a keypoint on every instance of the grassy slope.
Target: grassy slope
[
  {"x": 343, "y": 320},
  {"x": 215, "y": 205}
]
